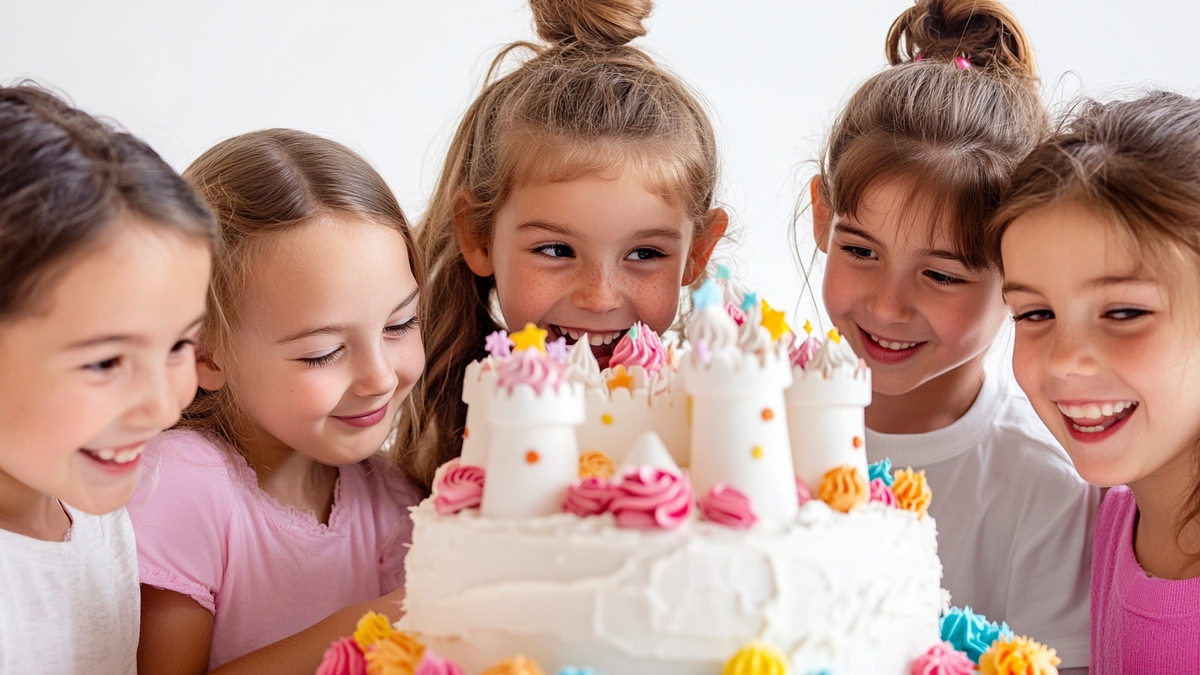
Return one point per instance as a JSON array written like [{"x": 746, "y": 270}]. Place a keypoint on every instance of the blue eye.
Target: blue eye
[
  {"x": 555, "y": 250},
  {"x": 1034, "y": 316},
  {"x": 1126, "y": 314}
]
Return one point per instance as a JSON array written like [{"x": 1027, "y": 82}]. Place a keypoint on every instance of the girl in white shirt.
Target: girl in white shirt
[
  {"x": 914, "y": 168},
  {"x": 104, "y": 262}
]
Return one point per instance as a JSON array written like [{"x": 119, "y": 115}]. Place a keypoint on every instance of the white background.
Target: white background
[{"x": 391, "y": 77}]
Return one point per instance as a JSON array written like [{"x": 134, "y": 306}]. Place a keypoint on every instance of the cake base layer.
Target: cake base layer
[{"x": 855, "y": 593}]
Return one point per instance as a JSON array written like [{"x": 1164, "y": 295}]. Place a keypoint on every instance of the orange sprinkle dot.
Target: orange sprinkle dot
[
  {"x": 756, "y": 452},
  {"x": 532, "y": 457},
  {"x": 858, "y": 441},
  {"x": 466, "y": 432},
  {"x": 768, "y": 414},
  {"x": 606, "y": 418}
]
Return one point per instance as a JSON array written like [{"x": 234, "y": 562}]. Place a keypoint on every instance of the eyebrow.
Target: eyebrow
[
  {"x": 1101, "y": 282},
  {"x": 564, "y": 231},
  {"x": 546, "y": 226},
  {"x": 123, "y": 338},
  {"x": 341, "y": 327},
  {"x": 857, "y": 232}
]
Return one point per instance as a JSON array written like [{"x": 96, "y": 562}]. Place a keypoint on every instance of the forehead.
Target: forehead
[
  {"x": 899, "y": 215},
  {"x": 613, "y": 202},
  {"x": 1067, "y": 244}
]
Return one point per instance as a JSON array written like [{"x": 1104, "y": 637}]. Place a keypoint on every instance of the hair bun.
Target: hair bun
[
  {"x": 983, "y": 31},
  {"x": 599, "y": 24}
]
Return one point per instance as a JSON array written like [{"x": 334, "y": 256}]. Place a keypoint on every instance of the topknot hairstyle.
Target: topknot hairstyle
[
  {"x": 952, "y": 135},
  {"x": 587, "y": 102}
]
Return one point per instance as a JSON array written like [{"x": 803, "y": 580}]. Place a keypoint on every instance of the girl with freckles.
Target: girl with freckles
[
  {"x": 914, "y": 169},
  {"x": 578, "y": 195},
  {"x": 1099, "y": 238},
  {"x": 267, "y": 522}
]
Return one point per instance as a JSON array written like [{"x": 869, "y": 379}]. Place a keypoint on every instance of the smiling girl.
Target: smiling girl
[
  {"x": 1100, "y": 241},
  {"x": 914, "y": 169},
  {"x": 270, "y": 509},
  {"x": 104, "y": 258},
  {"x": 577, "y": 196}
]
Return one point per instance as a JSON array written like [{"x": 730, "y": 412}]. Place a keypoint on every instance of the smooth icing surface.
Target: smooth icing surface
[{"x": 856, "y": 594}]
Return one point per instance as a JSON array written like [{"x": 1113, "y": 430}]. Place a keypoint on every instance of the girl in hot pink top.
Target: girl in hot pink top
[
  {"x": 268, "y": 520},
  {"x": 1100, "y": 241}
]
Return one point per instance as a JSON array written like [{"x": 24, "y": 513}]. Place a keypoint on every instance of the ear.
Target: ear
[
  {"x": 474, "y": 251},
  {"x": 821, "y": 213},
  {"x": 209, "y": 375},
  {"x": 715, "y": 224}
]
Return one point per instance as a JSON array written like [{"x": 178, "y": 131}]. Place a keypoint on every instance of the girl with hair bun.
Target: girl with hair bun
[
  {"x": 914, "y": 168},
  {"x": 1100, "y": 242},
  {"x": 578, "y": 195}
]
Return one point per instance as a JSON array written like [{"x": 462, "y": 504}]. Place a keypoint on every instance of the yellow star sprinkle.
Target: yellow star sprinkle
[
  {"x": 807, "y": 327},
  {"x": 772, "y": 320},
  {"x": 835, "y": 335},
  {"x": 530, "y": 337},
  {"x": 620, "y": 379}
]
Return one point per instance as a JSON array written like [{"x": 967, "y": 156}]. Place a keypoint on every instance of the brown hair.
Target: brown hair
[
  {"x": 1135, "y": 162},
  {"x": 585, "y": 103},
  {"x": 954, "y": 133},
  {"x": 262, "y": 184},
  {"x": 65, "y": 177}
]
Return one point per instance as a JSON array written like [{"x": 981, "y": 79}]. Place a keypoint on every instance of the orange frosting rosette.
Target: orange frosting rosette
[
  {"x": 517, "y": 665},
  {"x": 1019, "y": 656},
  {"x": 397, "y": 654},
  {"x": 595, "y": 464},
  {"x": 843, "y": 488},
  {"x": 912, "y": 491}
]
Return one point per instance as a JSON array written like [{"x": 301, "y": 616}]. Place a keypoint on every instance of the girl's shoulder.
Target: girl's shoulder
[
  {"x": 183, "y": 466},
  {"x": 385, "y": 484}
]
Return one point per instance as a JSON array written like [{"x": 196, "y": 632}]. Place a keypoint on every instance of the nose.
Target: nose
[
  {"x": 890, "y": 301},
  {"x": 597, "y": 289},
  {"x": 159, "y": 400},
  {"x": 1069, "y": 353},
  {"x": 375, "y": 374}
]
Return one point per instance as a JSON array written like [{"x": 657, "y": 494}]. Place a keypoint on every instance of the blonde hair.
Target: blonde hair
[
  {"x": 1138, "y": 164},
  {"x": 262, "y": 184},
  {"x": 586, "y": 102},
  {"x": 956, "y": 112}
]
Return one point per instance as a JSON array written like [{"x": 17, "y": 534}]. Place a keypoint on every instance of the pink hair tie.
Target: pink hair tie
[
  {"x": 919, "y": 57},
  {"x": 962, "y": 62}
]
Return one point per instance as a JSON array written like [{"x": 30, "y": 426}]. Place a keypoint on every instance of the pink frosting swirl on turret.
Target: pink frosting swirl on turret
[
  {"x": 803, "y": 494},
  {"x": 726, "y": 505},
  {"x": 804, "y": 352},
  {"x": 648, "y": 497},
  {"x": 639, "y": 346},
  {"x": 589, "y": 497},
  {"x": 942, "y": 659},
  {"x": 880, "y": 492},
  {"x": 456, "y": 487},
  {"x": 436, "y": 665},
  {"x": 343, "y": 658},
  {"x": 531, "y": 367}
]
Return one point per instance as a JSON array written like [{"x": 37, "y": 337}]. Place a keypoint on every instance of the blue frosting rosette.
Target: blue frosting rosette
[
  {"x": 971, "y": 633},
  {"x": 881, "y": 470}
]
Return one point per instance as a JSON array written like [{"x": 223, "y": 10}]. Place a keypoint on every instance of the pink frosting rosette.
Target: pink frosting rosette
[
  {"x": 802, "y": 353},
  {"x": 803, "y": 494},
  {"x": 436, "y": 665},
  {"x": 456, "y": 487},
  {"x": 648, "y": 497},
  {"x": 343, "y": 658},
  {"x": 735, "y": 313},
  {"x": 589, "y": 496},
  {"x": 942, "y": 659},
  {"x": 880, "y": 492},
  {"x": 639, "y": 346},
  {"x": 532, "y": 367},
  {"x": 728, "y": 506}
]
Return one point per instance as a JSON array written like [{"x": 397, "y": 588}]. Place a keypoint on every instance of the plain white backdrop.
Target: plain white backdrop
[{"x": 390, "y": 78}]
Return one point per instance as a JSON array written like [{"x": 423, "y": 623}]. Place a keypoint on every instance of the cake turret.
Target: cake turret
[
  {"x": 825, "y": 404},
  {"x": 735, "y": 377},
  {"x": 533, "y": 410}
]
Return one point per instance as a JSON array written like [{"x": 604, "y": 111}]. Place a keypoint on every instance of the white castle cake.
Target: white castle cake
[{"x": 677, "y": 512}]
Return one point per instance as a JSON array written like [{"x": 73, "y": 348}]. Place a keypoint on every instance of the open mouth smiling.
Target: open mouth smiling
[{"x": 602, "y": 342}]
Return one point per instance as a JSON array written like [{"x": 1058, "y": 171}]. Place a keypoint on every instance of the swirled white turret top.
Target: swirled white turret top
[
  {"x": 582, "y": 366},
  {"x": 834, "y": 358}
]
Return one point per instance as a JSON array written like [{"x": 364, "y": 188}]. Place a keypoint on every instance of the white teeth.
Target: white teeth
[
  {"x": 1091, "y": 411},
  {"x": 1106, "y": 409},
  {"x": 573, "y": 334},
  {"x": 1119, "y": 407},
  {"x": 608, "y": 338},
  {"x": 1087, "y": 430},
  {"x": 106, "y": 454},
  {"x": 117, "y": 456},
  {"x": 1094, "y": 411},
  {"x": 894, "y": 346},
  {"x": 597, "y": 340}
]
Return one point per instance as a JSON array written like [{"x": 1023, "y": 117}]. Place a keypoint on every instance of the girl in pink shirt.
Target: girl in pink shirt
[
  {"x": 1100, "y": 241},
  {"x": 269, "y": 508}
]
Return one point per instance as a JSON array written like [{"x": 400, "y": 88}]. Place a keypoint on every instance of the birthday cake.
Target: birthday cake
[{"x": 676, "y": 512}]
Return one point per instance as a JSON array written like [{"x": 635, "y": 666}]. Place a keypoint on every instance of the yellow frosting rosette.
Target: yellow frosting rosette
[
  {"x": 1018, "y": 656},
  {"x": 912, "y": 491},
  {"x": 517, "y": 665},
  {"x": 756, "y": 658},
  {"x": 843, "y": 488},
  {"x": 371, "y": 629},
  {"x": 595, "y": 464},
  {"x": 396, "y": 654}
]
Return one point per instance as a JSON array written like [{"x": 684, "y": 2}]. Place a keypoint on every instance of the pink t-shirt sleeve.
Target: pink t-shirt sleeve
[
  {"x": 392, "y": 496},
  {"x": 181, "y": 513}
]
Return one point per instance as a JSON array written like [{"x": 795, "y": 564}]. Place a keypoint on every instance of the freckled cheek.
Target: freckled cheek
[
  {"x": 655, "y": 300},
  {"x": 840, "y": 290},
  {"x": 410, "y": 365},
  {"x": 526, "y": 294}
]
